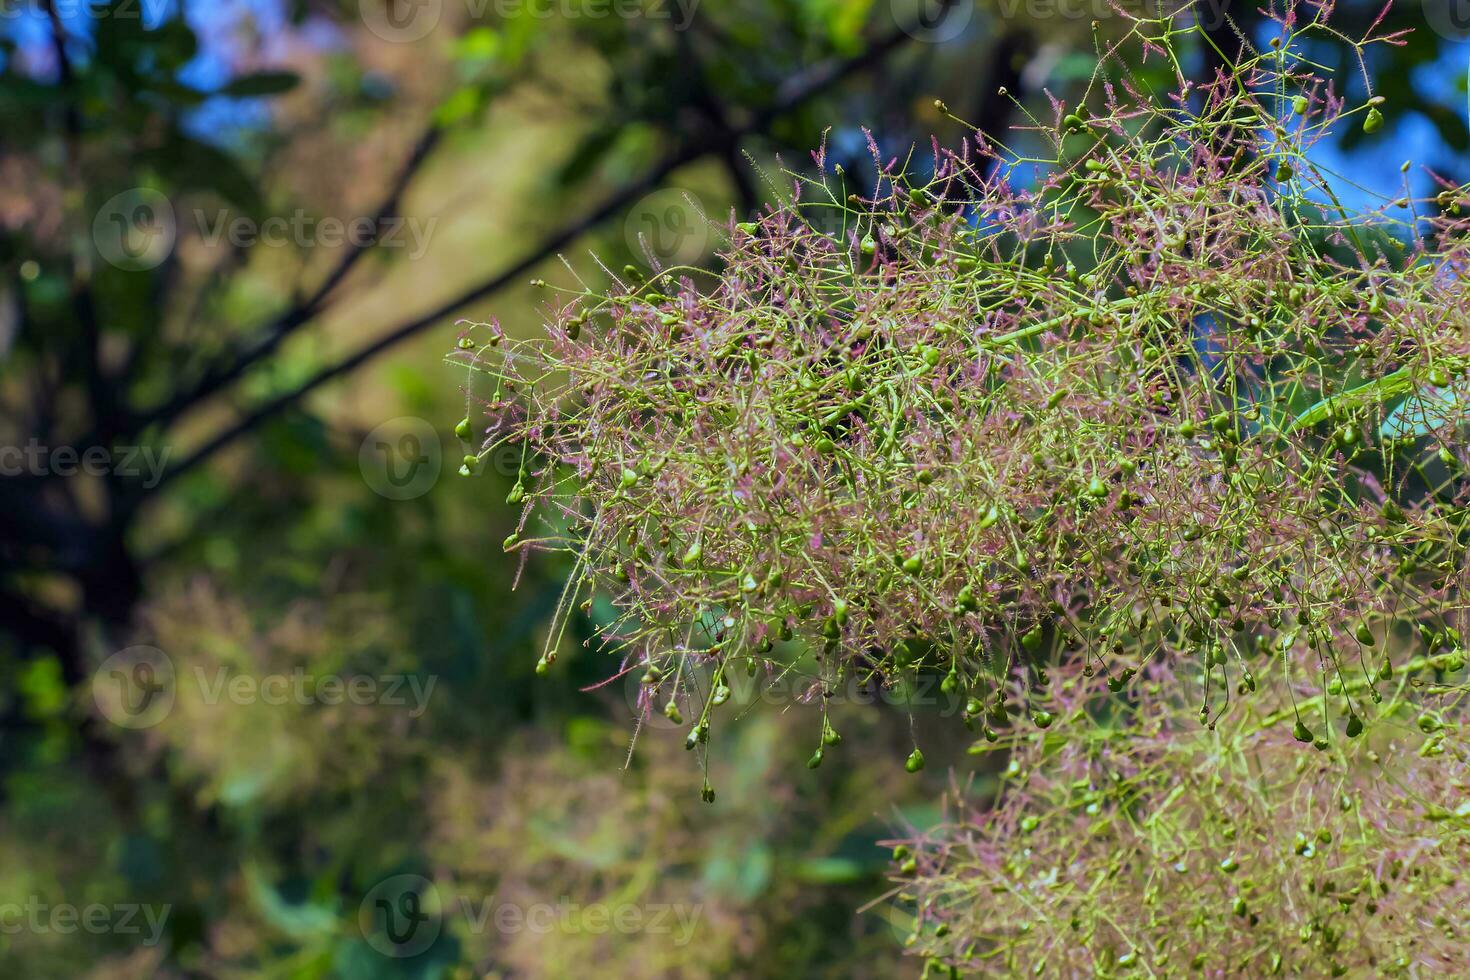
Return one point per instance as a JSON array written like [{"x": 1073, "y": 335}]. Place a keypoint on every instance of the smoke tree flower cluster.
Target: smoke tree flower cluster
[
  {"x": 1159, "y": 848},
  {"x": 1167, "y": 402},
  {"x": 1127, "y": 428}
]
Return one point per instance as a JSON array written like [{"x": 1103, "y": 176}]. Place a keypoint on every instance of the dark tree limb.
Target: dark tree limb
[{"x": 798, "y": 91}]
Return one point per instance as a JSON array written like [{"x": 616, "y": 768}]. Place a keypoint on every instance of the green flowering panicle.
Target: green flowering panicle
[
  {"x": 1153, "y": 403},
  {"x": 1158, "y": 848}
]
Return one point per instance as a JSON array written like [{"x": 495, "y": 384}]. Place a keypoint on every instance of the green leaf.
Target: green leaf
[
  {"x": 1377, "y": 391},
  {"x": 262, "y": 83},
  {"x": 1423, "y": 412},
  {"x": 829, "y": 871},
  {"x": 190, "y": 165},
  {"x": 480, "y": 44},
  {"x": 301, "y": 920}
]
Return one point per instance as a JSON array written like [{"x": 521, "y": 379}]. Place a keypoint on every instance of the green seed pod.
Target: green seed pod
[
  {"x": 692, "y": 555},
  {"x": 1299, "y": 105},
  {"x": 511, "y": 540},
  {"x": 1301, "y": 732},
  {"x": 914, "y": 762},
  {"x": 671, "y": 712},
  {"x": 831, "y": 737},
  {"x": 913, "y": 564},
  {"x": 542, "y": 667},
  {"x": 463, "y": 430},
  {"x": 1031, "y": 639},
  {"x": 1373, "y": 122},
  {"x": 1042, "y": 718},
  {"x": 868, "y": 246},
  {"x": 708, "y": 793},
  {"x": 815, "y": 760},
  {"x": 1364, "y": 635},
  {"x": 1354, "y": 726},
  {"x": 839, "y": 611},
  {"x": 1230, "y": 865}
]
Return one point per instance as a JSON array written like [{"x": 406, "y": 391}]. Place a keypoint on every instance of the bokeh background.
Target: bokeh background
[{"x": 267, "y": 694}]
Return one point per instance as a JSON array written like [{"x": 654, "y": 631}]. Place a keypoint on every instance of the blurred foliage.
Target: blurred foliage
[{"x": 261, "y": 829}]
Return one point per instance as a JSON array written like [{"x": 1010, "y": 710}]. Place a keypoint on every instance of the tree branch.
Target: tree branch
[
  {"x": 222, "y": 375},
  {"x": 801, "y": 89}
]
